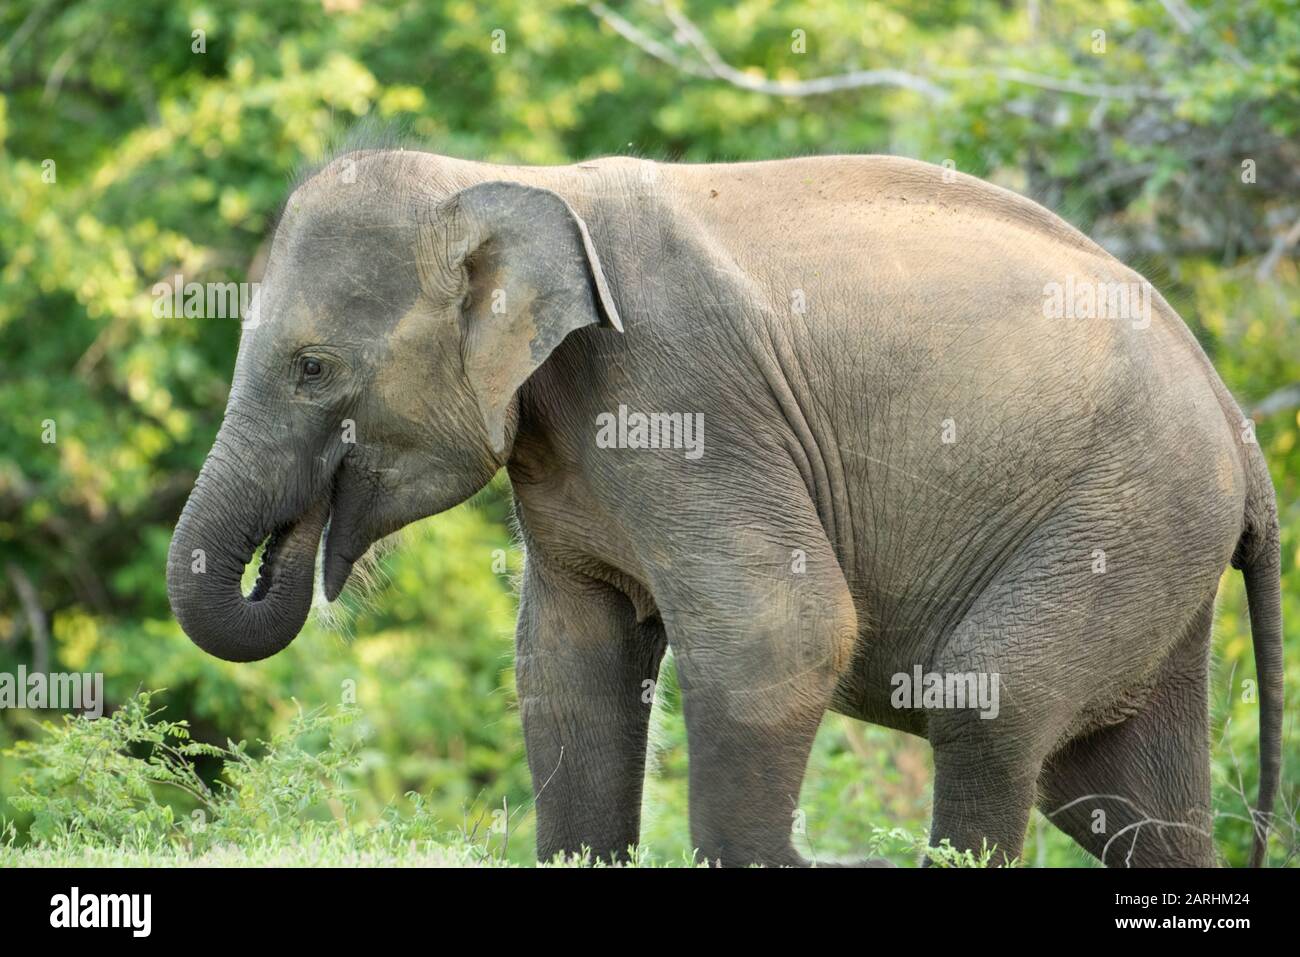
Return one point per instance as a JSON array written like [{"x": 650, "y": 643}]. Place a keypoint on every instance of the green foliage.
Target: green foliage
[
  {"x": 108, "y": 786},
  {"x": 945, "y": 855},
  {"x": 104, "y": 783},
  {"x": 126, "y": 158},
  {"x": 84, "y": 786},
  {"x": 97, "y": 792}
]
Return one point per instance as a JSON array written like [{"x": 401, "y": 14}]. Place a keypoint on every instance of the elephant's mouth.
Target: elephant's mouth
[
  {"x": 266, "y": 567},
  {"x": 298, "y": 541},
  {"x": 287, "y": 567}
]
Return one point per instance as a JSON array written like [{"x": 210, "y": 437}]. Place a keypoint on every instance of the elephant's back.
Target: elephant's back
[{"x": 849, "y": 196}]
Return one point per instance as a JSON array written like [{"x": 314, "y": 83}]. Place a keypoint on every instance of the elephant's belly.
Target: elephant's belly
[{"x": 866, "y": 692}]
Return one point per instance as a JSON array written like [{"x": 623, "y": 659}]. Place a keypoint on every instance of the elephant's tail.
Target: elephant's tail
[{"x": 1258, "y": 555}]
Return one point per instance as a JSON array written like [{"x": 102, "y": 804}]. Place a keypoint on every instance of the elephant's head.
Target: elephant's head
[{"x": 375, "y": 383}]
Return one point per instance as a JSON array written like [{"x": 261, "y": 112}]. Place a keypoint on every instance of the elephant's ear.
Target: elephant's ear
[{"x": 524, "y": 265}]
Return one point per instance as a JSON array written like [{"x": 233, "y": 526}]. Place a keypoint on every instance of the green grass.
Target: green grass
[
  {"x": 342, "y": 851},
  {"x": 265, "y": 854},
  {"x": 133, "y": 789},
  {"x": 127, "y": 790}
]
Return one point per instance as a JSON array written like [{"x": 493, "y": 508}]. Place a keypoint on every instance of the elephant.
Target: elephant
[{"x": 845, "y": 433}]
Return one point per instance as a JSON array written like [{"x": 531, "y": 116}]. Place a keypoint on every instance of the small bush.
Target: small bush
[{"x": 129, "y": 781}]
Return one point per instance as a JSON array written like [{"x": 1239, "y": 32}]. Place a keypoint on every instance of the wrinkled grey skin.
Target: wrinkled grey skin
[{"x": 834, "y": 320}]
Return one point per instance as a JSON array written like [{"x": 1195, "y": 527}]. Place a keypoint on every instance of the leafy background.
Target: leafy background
[{"x": 165, "y": 160}]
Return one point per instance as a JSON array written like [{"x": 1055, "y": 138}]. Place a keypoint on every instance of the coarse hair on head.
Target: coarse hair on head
[
  {"x": 390, "y": 145},
  {"x": 368, "y": 135}
]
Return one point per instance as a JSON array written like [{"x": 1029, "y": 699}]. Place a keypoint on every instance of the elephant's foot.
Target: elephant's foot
[
  {"x": 783, "y": 857},
  {"x": 860, "y": 862}
]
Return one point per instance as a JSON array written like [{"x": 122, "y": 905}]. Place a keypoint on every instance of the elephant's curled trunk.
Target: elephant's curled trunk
[{"x": 227, "y": 516}]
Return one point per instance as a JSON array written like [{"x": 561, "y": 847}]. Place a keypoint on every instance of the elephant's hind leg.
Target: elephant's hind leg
[
  {"x": 1037, "y": 612},
  {"x": 1137, "y": 794},
  {"x": 984, "y": 789}
]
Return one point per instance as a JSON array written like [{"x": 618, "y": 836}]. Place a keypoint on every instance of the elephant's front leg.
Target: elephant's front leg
[{"x": 585, "y": 670}]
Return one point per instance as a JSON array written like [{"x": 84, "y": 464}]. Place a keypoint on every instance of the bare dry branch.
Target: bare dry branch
[
  {"x": 711, "y": 65},
  {"x": 1058, "y": 84},
  {"x": 640, "y": 38},
  {"x": 1189, "y": 22},
  {"x": 1287, "y": 397},
  {"x": 37, "y": 625},
  {"x": 1280, "y": 246}
]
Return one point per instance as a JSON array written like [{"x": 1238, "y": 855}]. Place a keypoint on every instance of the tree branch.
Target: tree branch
[
  {"x": 1287, "y": 397},
  {"x": 1058, "y": 84},
  {"x": 1281, "y": 244},
  {"x": 713, "y": 66},
  {"x": 1189, "y": 22},
  {"x": 36, "y": 623},
  {"x": 641, "y": 39}
]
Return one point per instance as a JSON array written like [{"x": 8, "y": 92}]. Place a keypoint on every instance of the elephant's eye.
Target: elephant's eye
[{"x": 311, "y": 368}]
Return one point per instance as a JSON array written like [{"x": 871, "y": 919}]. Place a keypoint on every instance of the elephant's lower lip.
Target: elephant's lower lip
[
  {"x": 337, "y": 570},
  {"x": 338, "y": 566}
]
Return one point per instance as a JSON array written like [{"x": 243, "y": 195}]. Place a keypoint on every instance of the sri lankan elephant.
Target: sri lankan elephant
[{"x": 819, "y": 425}]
